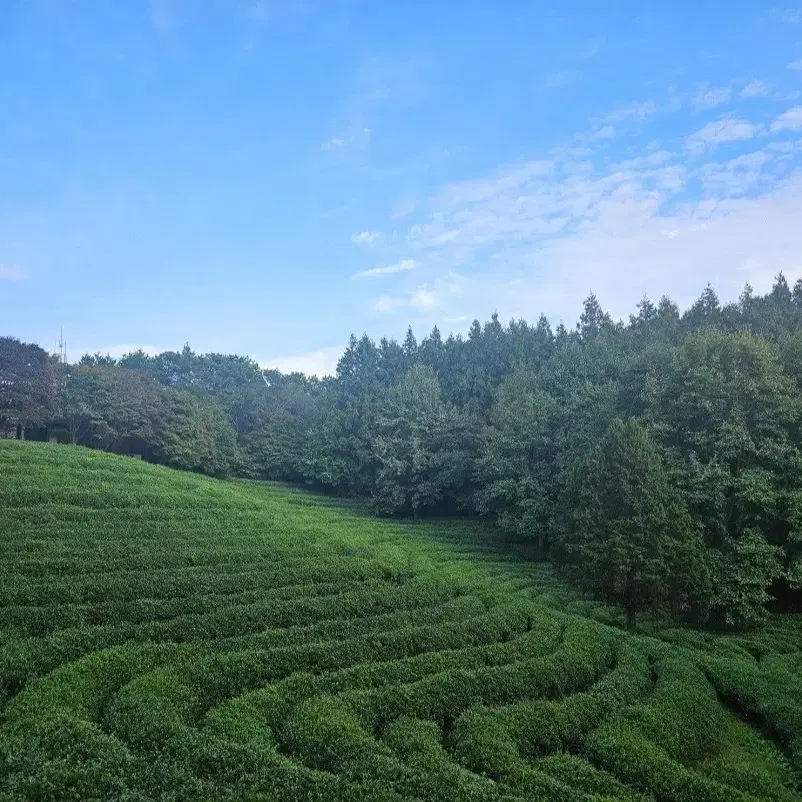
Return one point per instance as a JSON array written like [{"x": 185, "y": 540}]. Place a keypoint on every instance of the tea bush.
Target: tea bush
[{"x": 167, "y": 636}]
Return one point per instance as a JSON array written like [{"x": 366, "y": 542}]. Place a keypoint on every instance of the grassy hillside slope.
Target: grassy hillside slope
[{"x": 167, "y": 636}]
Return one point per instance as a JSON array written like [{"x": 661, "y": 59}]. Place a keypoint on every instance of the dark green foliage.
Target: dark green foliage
[
  {"x": 629, "y": 538},
  {"x": 727, "y": 414},
  {"x": 501, "y": 423},
  {"x": 28, "y": 386},
  {"x": 106, "y": 408}
]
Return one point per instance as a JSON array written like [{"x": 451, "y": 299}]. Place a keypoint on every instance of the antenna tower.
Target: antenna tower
[{"x": 62, "y": 348}]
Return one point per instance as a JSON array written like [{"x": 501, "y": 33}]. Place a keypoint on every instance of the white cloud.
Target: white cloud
[
  {"x": 401, "y": 267},
  {"x": 539, "y": 235},
  {"x": 122, "y": 349},
  {"x": 795, "y": 65},
  {"x": 790, "y": 120},
  {"x": 709, "y": 96},
  {"x": 365, "y": 237},
  {"x": 727, "y": 129},
  {"x": 321, "y": 362},
  {"x": 12, "y": 273},
  {"x": 386, "y": 303},
  {"x": 356, "y": 137},
  {"x": 425, "y": 298},
  {"x": 755, "y": 89}
]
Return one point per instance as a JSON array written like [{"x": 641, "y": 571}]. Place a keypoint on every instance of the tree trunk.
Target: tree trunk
[
  {"x": 630, "y": 599},
  {"x": 630, "y": 619}
]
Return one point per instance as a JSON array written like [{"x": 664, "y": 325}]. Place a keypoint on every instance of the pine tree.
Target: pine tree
[{"x": 630, "y": 539}]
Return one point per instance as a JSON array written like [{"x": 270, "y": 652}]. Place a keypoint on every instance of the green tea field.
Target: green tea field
[{"x": 165, "y": 636}]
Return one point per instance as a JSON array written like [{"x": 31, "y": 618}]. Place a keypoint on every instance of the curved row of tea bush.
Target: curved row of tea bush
[{"x": 237, "y": 641}]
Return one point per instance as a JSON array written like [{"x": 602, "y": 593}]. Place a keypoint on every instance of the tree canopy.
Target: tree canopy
[{"x": 658, "y": 460}]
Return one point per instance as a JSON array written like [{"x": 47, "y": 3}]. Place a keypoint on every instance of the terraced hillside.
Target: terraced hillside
[{"x": 166, "y": 636}]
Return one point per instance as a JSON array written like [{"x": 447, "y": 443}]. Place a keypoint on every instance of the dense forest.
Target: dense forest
[{"x": 657, "y": 461}]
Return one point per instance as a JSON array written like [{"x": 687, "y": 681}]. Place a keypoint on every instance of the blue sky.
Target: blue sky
[{"x": 266, "y": 177}]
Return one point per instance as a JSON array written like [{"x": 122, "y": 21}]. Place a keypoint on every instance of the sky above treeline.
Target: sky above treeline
[{"x": 265, "y": 177}]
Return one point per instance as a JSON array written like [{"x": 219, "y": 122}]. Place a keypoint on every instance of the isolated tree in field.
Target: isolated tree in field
[
  {"x": 630, "y": 540},
  {"x": 28, "y": 385}
]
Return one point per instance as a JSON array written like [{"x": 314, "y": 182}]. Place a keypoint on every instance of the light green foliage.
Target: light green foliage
[
  {"x": 420, "y": 446},
  {"x": 197, "y": 436},
  {"x": 168, "y": 636},
  {"x": 515, "y": 470}
]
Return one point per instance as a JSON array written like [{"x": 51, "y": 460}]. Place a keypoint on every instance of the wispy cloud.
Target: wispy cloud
[
  {"x": 639, "y": 110},
  {"x": 755, "y": 89},
  {"x": 795, "y": 65},
  {"x": 791, "y": 16},
  {"x": 562, "y": 78},
  {"x": 379, "y": 80},
  {"x": 710, "y": 96},
  {"x": 790, "y": 120},
  {"x": 727, "y": 129},
  {"x": 402, "y": 267},
  {"x": 538, "y": 235},
  {"x": 12, "y": 273},
  {"x": 360, "y": 137},
  {"x": 735, "y": 177},
  {"x": 365, "y": 237},
  {"x": 404, "y": 207},
  {"x": 598, "y": 134},
  {"x": 592, "y": 49}
]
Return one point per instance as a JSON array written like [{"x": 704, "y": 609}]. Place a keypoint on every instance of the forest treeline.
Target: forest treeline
[{"x": 657, "y": 461}]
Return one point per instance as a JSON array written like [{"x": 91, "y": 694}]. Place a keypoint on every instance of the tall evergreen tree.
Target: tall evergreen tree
[{"x": 630, "y": 539}]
